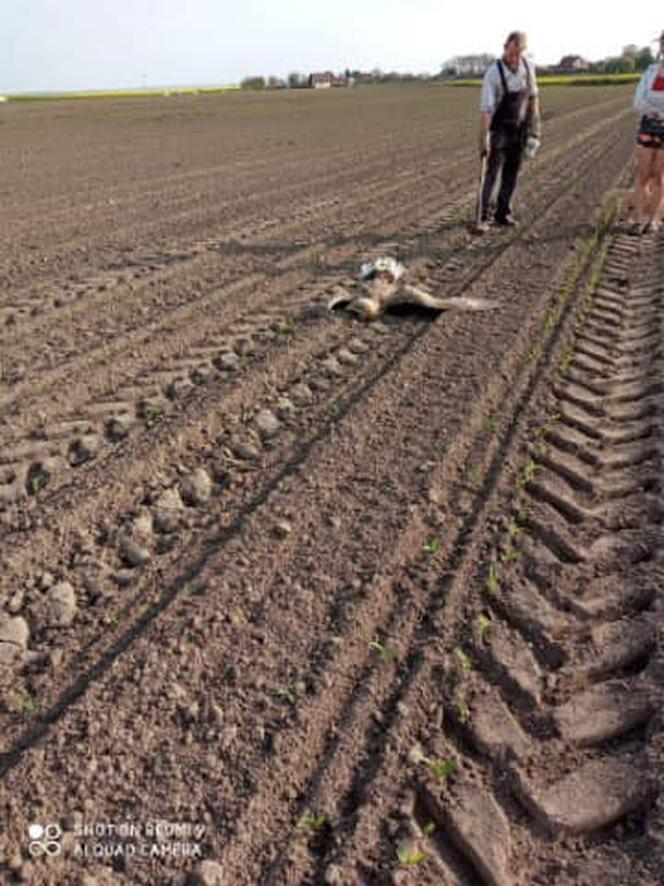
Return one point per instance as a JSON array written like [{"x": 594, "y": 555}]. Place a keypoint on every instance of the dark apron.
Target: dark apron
[{"x": 509, "y": 121}]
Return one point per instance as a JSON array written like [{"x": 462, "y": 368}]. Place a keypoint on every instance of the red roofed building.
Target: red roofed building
[
  {"x": 326, "y": 80},
  {"x": 572, "y": 64}
]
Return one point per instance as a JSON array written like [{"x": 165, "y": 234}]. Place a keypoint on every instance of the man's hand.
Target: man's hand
[
  {"x": 534, "y": 125},
  {"x": 532, "y": 146}
]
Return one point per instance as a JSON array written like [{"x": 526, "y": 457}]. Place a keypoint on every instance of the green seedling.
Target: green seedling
[
  {"x": 528, "y": 472},
  {"x": 555, "y": 416},
  {"x": 550, "y": 320},
  {"x": 432, "y": 546},
  {"x": 442, "y": 768},
  {"x": 429, "y": 828},
  {"x": 566, "y": 361},
  {"x": 483, "y": 625},
  {"x": 463, "y": 712},
  {"x": 37, "y": 485},
  {"x": 284, "y": 327},
  {"x": 534, "y": 353},
  {"x": 513, "y": 529},
  {"x": 152, "y": 414},
  {"x": 492, "y": 583},
  {"x": 29, "y": 705},
  {"x": 463, "y": 658},
  {"x": 309, "y": 821},
  {"x": 522, "y": 516},
  {"x": 409, "y": 856},
  {"x": 287, "y": 695},
  {"x": 510, "y": 556},
  {"x": 386, "y": 654},
  {"x": 491, "y": 425}
]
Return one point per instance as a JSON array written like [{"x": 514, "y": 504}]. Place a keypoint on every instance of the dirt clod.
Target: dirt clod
[
  {"x": 197, "y": 488},
  {"x": 61, "y": 605},
  {"x": 268, "y": 424}
]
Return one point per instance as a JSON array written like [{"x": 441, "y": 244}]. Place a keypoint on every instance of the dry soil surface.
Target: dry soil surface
[{"x": 288, "y": 598}]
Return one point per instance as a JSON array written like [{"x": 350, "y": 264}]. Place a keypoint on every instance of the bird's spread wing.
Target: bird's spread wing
[{"x": 412, "y": 295}]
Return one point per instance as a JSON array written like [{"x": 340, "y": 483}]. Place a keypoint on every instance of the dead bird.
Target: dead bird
[{"x": 382, "y": 287}]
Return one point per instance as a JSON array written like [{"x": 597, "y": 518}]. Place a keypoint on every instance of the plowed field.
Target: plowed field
[{"x": 289, "y": 598}]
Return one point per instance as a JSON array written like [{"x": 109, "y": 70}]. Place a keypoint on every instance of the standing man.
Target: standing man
[{"x": 509, "y": 117}]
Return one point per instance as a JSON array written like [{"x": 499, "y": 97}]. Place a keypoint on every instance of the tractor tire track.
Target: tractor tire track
[{"x": 548, "y": 709}]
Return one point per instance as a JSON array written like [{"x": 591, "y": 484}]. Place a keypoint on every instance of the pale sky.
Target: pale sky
[{"x": 87, "y": 44}]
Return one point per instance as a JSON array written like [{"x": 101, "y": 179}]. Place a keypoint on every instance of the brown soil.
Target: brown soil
[{"x": 359, "y": 603}]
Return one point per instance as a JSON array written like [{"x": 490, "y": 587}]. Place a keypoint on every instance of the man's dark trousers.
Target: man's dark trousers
[{"x": 505, "y": 154}]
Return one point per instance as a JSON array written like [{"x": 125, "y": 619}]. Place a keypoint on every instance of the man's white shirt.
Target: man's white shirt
[{"x": 492, "y": 87}]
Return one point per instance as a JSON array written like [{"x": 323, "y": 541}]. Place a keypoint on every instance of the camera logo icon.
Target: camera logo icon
[{"x": 44, "y": 839}]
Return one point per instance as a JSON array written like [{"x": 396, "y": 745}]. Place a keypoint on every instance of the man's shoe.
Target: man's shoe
[
  {"x": 482, "y": 227},
  {"x": 506, "y": 221}
]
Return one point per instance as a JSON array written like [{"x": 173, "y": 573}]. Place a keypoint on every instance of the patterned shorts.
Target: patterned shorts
[{"x": 651, "y": 133}]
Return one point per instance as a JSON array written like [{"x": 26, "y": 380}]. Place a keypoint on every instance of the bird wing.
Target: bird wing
[
  {"x": 412, "y": 295},
  {"x": 340, "y": 299}
]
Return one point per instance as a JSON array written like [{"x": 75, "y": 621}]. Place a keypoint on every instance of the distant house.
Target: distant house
[
  {"x": 572, "y": 64},
  {"x": 326, "y": 80}
]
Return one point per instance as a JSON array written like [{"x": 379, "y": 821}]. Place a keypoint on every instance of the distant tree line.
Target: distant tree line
[
  {"x": 294, "y": 80},
  {"x": 298, "y": 80},
  {"x": 467, "y": 65},
  {"x": 633, "y": 58}
]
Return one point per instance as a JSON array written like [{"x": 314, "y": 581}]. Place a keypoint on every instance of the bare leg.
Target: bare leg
[
  {"x": 647, "y": 198},
  {"x": 657, "y": 186},
  {"x": 643, "y": 163}
]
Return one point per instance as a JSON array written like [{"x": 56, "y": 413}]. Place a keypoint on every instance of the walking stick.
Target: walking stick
[{"x": 479, "y": 209}]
